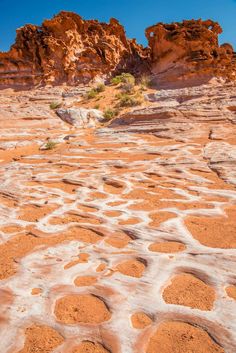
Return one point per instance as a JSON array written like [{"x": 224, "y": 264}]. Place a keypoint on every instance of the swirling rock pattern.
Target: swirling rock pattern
[{"x": 119, "y": 240}]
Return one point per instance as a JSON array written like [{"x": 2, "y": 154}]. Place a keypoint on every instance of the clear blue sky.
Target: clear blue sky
[{"x": 135, "y": 15}]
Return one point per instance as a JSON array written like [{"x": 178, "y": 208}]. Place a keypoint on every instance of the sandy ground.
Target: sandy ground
[{"x": 105, "y": 247}]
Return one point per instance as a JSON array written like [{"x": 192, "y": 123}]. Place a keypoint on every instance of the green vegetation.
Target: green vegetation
[
  {"x": 100, "y": 88},
  {"x": 50, "y": 145},
  {"x": 124, "y": 78},
  {"x": 145, "y": 82},
  {"x": 126, "y": 100},
  {"x": 55, "y": 105},
  {"x": 110, "y": 114},
  {"x": 95, "y": 91},
  {"x": 91, "y": 94},
  {"x": 97, "y": 106}
]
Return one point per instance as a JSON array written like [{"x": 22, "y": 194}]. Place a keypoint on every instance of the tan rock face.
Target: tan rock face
[
  {"x": 68, "y": 49},
  {"x": 189, "y": 51}
]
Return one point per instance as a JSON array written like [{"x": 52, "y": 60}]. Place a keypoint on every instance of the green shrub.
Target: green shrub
[
  {"x": 125, "y": 78},
  {"x": 50, "y": 145},
  {"x": 110, "y": 114},
  {"x": 145, "y": 82},
  {"x": 97, "y": 106},
  {"x": 95, "y": 91},
  {"x": 127, "y": 87},
  {"x": 125, "y": 100},
  {"x": 100, "y": 88},
  {"x": 55, "y": 105},
  {"x": 91, "y": 94}
]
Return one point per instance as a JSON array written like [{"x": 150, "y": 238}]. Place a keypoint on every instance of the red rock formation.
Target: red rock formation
[
  {"x": 68, "y": 49},
  {"x": 189, "y": 52},
  {"x": 72, "y": 50}
]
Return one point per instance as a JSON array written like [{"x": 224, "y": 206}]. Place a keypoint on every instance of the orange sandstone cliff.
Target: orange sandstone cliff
[
  {"x": 68, "y": 49},
  {"x": 189, "y": 52}
]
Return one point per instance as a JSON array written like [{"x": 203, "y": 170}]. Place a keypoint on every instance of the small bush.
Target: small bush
[
  {"x": 55, "y": 105},
  {"x": 97, "y": 106},
  {"x": 100, "y": 88},
  {"x": 145, "y": 82},
  {"x": 95, "y": 91},
  {"x": 123, "y": 78},
  {"x": 128, "y": 101},
  {"x": 110, "y": 114},
  {"x": 50, "y": 145},
  {"x": 127, "y": 87},
  {"x": 91, "y": 94}
]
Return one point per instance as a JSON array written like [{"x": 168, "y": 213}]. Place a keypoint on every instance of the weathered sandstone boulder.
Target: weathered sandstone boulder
[{"x": 80, "y": 117}]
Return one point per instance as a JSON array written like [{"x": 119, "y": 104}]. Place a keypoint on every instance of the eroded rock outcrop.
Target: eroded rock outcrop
[
  {"x": 189, "y": 52},
  {"x": 69, "y": 49}
]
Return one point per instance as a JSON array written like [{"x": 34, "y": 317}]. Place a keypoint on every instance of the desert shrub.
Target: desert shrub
[
  {"x": 91, "y": 94},
  {"x": 100, "y": 88},
  {"x": 110, "y": 114},
  {"x": 144, "y": 82},
  {"x": 125, "y": 100},
  {"x": 55, "y": 105},
  {"x": 123, "y": 78},
  {"x": 95, "y": 91},
  {"x": 97, "y": 106},
  {"x": 50, "y": 145}
]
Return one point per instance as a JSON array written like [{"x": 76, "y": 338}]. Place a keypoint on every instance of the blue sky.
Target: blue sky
[{"x": 135, "y": 15}]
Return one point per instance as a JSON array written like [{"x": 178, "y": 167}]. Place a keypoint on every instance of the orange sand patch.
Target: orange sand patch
[
  {"x": 11, "y": 229},
  {"x": 8, "y": 200},
  {"x": 231, "y": 292},
  {"x": 119, "y": 240},
  {"x": 9, "y": 155},
  {"x": 180, "y": 337},
  {"x": 130, "y": 221},
  {"x": 6, "y": 297},
  {"x": 90, "y": 347},
  {"x": 32, "y": 213},
  {"x": 101, "y": 267},
  {"x": 97, "y": 195},
  {"x": 83, "y": 281},
  {"x": 86, "y": 208},
  {"x": 41, "y": 339},
  {"x": 83, "y": 258},
  {"x": 187, "y": 290},
  {"x": 113, "y": 188},
  {"x": 160, "y": 217},
  {"x": 140, "y": 320},
  {"x": 132, "y": 268},
  {"x": 86, "y": 309},
  {"x": 215, "y": 232},
  {"x": 21, "y": 245},
  {"x": 167, "y": 247},
  {"x": 84, "y": 235},
  {"x": 73, "y": 218},
  {"x": 115, "y": 203},
  {"x": 112, "y": 213},
  {"x": 36, "y": 291}
]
